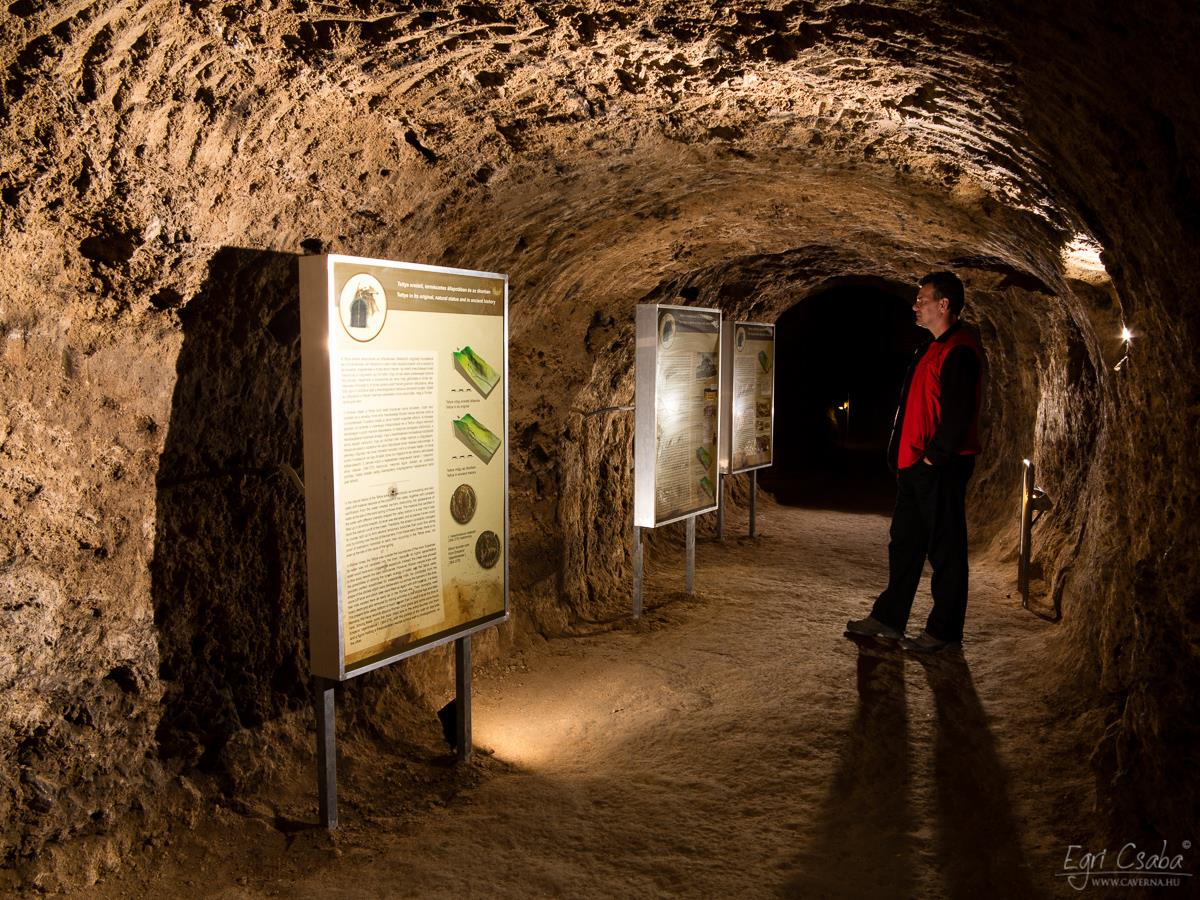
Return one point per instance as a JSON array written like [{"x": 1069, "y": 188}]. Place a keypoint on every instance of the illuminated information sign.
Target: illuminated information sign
[
  {"x": 677, "y": 420},
  {"x": 405, "y": 379},
  {"x": 748, "y": 389}
]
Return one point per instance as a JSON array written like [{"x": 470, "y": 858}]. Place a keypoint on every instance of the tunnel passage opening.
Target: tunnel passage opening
[{"x": 843, "y": 352}]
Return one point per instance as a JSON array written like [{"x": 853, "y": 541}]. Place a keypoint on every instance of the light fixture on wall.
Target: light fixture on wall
[{"x": 1127, "y": 342}]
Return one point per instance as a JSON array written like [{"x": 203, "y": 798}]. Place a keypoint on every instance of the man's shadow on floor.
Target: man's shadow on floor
[
  {"x": 978, "y": 844},
  {"x": 863, "y": 845},
  {"x": 868, "y": 836}
]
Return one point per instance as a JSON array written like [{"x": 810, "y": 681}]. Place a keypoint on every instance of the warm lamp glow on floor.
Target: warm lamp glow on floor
[{"x": 541, "y": 725}]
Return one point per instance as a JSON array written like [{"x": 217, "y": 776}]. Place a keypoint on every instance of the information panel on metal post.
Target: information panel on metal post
[
  {"x": 677, "y": 422},
  {"x": 405, "y": 379},
  {"x": 748, "y": 392}
]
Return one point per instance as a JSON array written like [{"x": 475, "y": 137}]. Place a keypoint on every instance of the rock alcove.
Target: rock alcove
[{"x": 162, "y": 164}]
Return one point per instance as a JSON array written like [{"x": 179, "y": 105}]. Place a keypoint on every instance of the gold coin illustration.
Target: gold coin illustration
[
  {"x": 487, "y": 549},
  {"x": 462, "y": 504}
]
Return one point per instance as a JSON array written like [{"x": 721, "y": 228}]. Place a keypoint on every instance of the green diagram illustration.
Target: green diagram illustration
[
  {"x": 477, "y": 436},
  {"x": 476, "y": 370}
]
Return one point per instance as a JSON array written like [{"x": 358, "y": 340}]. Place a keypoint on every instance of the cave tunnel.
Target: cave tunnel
[
  {"x": 164, "y": 165},
  {"x": 847, "y": 349}
]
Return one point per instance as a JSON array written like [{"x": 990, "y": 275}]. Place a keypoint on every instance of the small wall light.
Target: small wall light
[{"x": 1127, "y": 340}]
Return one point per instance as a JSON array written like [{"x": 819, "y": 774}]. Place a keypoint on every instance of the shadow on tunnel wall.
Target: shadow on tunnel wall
[{"x": 228, "y": 575}]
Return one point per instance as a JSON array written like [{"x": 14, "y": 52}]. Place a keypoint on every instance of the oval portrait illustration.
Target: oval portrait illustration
[
  {"x": 666, "y": 330},
  {"x": 363, "y": 306},
  {"x": 740, "y": 341}
]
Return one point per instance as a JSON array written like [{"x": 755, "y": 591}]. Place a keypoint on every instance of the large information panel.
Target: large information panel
[
  {"x": 677, "y": 420},
  {"x": 405, "y": 378},
  {"x": 748, "y": 390}
]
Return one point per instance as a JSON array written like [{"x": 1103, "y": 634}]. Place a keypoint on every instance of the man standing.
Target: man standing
[{"x": 935, "y": 439}]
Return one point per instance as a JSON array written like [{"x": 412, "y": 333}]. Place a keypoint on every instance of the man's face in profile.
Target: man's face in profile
[{"x": 929, "y": 309}]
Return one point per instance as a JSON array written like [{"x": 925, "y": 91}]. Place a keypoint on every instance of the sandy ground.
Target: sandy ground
[{"x": 730, "y": 744}]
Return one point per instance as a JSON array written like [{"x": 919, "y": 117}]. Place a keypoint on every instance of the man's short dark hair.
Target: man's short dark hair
[{"x": 946, "y": 284}]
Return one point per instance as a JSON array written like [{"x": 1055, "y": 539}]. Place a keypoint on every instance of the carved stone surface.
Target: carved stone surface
[{"x": 162, "y": 163}]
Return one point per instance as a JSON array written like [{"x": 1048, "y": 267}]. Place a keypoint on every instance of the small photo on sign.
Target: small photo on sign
[
  {"x": 666, "y": 331},
  {"x": 363, "y": 306}
]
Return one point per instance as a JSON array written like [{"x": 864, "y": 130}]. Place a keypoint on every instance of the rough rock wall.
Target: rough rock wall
[
  {"x": 1106, "y": 108},
  {"x": 161, "y": 164}
]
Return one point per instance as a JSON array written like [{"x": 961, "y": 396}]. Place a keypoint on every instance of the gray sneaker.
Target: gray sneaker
[
  {"x": 926, "y": 643},
  {"x": 872, "y": 627}
]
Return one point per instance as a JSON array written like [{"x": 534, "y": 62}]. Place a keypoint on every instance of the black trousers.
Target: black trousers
[{"x": 930, "y": 520}]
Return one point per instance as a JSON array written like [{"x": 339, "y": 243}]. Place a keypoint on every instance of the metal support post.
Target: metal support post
[
  {"x": 720, "y": 507},
  {"x": 462, "y": 696},
  {"x": 753, "y": 499},
  {"x": 326, "y": 751},
  {"x": 637, "y": 572},
  {"x": 689, "y": 580},
  {"x": 1034, "y": 502},
  {"x": 1027, "y": 485}
]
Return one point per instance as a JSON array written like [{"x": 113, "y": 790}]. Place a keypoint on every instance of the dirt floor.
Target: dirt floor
[{"x": 734, "y": 743}]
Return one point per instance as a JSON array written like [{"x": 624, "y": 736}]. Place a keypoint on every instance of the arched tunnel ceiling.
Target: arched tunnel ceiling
[{"x": 691, "y": 131}]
